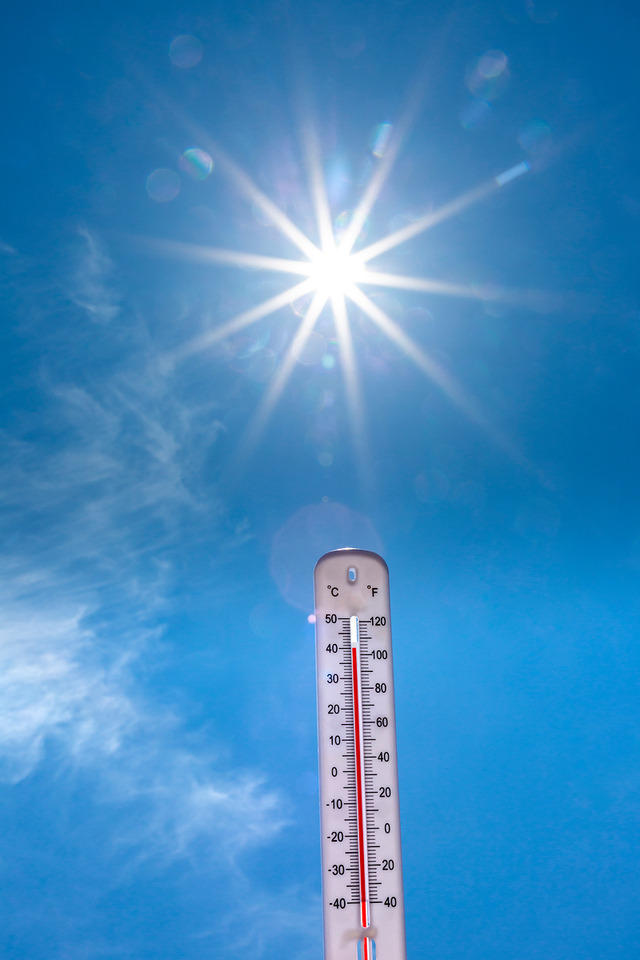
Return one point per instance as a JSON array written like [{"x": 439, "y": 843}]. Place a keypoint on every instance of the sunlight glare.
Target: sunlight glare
[{"x": 334, "y": 271}]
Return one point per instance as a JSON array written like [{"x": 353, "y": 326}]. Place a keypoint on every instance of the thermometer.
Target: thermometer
[{"x": 362, "y": 898}]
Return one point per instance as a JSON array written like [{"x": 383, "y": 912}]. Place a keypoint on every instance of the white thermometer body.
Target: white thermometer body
[{"x": 363, "y": 906}]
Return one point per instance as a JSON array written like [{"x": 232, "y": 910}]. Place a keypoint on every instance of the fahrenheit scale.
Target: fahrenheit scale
[{"x": 363, "y": 904}]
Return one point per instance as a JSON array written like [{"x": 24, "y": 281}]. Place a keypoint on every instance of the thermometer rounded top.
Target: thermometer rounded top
[
  {"x": 351, "y": 579},
  {"x": 342, "y": 551}
]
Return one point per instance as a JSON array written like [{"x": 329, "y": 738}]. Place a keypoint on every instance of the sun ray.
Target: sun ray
[
  {"x": 432, "y": 369},
  {"x": 425, "y": 223},
  {"x": 279, "y": 382},
  {"x": 355, "y": 406},
  {"x": 371, "y": 194},
  {"x": 318, "y": 187},
  {"x": 245, "y": 319},
  {"x": 383, "y": 170},
  {"x": 270, "y": 209},
  {"x": 419, "y": 284},
  {"x": 448, "y": 210},
  {"x": 245, "y": 184},
  {"x": 197, "y": 253},
  {"x": 535, "y": 299},
  {"x": 411, "y": 349}
]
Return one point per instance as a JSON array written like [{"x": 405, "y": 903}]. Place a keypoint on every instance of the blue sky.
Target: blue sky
[{"x": 161, "y": 512}]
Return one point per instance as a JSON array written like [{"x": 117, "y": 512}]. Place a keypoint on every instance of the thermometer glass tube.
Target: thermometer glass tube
[{"x": 363, "y": 906}]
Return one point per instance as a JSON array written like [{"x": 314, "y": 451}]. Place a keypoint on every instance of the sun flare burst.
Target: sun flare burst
[{"x": 331, "y": 275}]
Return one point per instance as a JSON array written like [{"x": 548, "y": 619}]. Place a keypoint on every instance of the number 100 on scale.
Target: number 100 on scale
[{"x": 363, "y": 906}]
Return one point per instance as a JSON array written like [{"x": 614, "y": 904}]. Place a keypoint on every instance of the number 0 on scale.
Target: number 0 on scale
[{"x": 363, "y": 904}]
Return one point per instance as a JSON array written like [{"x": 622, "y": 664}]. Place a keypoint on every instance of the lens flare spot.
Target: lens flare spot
[
  {"x": 185, "y": 51},
  {"x": 328, "y": 361},
  {"x": 163, "y": 185},
  {"x": 300, "y": 305},
  {"x": 512, "y": 173},
  {"x": 263, "y": 367},
  {"x": 341, "y": 226},
  {"x": 492, "y": 64},
  {"x": 197, "y": 163},
  {"x": 487, "y": 76},
  {"x": 475, "y": 114},
  {"x": 535, "y": 137},
  {"x": 342, "y": 222},
  {"x": 381, "y": 138},
  {"x": 312, "y": 350}
]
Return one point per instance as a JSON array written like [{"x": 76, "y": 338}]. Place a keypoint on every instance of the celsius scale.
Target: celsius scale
[{"x": 362, "y": 898}]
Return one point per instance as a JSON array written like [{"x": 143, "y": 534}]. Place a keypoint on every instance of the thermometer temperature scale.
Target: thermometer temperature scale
[{"x": 363, "y": 905}]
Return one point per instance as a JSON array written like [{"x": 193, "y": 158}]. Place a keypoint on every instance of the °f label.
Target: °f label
[{"x": 363, "y": 906}]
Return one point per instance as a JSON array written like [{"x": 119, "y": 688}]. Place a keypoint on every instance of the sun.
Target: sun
[{"x": 332, "y": 272}]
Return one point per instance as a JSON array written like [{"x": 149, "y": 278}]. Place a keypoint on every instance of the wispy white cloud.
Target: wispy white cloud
[
  {"x": 68, "y": 691},
  {"x": 52, "y": 686},
  {"x": 100, "y": 487},
  {"x": 194, "y": 808},
  {"x": 91, "y": 287},
  {"x": 107, "y": 474},
  {"x": 105, "y": 494},
  {"x": 290, "y": 920}
]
